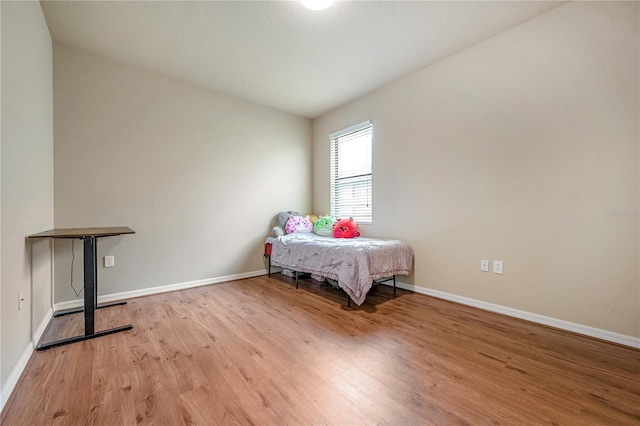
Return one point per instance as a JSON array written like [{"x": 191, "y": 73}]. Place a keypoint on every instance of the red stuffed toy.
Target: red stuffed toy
[{"x": 345, "y": 228}]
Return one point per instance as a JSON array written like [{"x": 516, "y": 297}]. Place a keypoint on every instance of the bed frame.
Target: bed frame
[{"x": 267, "y": 256}]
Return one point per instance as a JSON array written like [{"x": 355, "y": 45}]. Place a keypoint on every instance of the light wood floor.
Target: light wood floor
[{"x": 258, "y": 351}]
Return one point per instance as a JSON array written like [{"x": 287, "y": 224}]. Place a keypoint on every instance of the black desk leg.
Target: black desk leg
[
  {"x": 90, "y": 280},
  {"x": 77, "y": 311},
  {"x": 90, "y": 299}
]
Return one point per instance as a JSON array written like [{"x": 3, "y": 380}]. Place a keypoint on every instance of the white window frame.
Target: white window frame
[{"x": 360, "y": 209}]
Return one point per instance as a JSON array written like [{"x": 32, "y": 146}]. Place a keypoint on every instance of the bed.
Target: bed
[{"x": 355, "y": 263}]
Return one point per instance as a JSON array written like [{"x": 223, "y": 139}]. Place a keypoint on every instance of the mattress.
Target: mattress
[{"x": 353, "y": 262}]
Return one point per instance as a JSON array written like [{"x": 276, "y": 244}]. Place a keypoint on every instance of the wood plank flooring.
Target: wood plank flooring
[{"x": 258, "y": 351}]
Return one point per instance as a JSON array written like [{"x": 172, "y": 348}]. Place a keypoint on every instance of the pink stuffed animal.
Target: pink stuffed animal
[
  {"x": 298, "y": 224},
  {"x": 345, "y": 228}
]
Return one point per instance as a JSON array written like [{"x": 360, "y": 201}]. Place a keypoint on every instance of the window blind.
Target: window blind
[{"x": 351, "y": 174}]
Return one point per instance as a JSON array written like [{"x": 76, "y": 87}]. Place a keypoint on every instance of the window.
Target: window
[{"x": 351, "y": 173}]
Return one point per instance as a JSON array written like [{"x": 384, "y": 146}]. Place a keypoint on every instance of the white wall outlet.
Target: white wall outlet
[
  {"x": 484, "y": 265},
  {"x": 20, "y": 300},
  {"x": 109, "y": 262},
  {"x": 497, "y": 266}
]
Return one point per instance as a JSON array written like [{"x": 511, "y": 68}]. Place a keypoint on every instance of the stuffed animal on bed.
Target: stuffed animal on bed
[
  {"x": 299, "y": 224},
  {"x": 281, "y": 223},
  {"x": 324, "y": 226},
  {"x": 345, "y": 228}
]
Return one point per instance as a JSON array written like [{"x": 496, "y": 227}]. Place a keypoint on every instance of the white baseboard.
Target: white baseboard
[
  {"x": 157, "y": 290},
  {"x": 42, "y": 327},
  {"x": 610, "y": 336},
  {"x": 13, "y": 378},
  {"x": 17, "y": 371}
]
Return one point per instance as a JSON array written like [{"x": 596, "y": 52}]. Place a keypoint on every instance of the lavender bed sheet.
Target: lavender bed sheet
[{"x": 354, "y": 263}]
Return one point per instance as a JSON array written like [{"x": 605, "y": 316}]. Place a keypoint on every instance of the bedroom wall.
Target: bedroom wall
[
  {"x": 26, "y": 183},
  {"x": 197, "y": 174},
  {"x": 523, "y": 148}
]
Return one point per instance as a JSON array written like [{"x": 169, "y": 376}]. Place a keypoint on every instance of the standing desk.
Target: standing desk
[{"x": 89, "y": 236}]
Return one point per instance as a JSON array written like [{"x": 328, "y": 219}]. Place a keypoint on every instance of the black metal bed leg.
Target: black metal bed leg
[
  {"x": 394, "y": 285},
  {"x": 268, "y": 259},
  {"x": 296, "y": 279},
  {"x": 348, "y": 301}
]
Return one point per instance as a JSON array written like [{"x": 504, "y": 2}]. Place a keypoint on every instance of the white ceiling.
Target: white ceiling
[{"x": 278, "y": 53}]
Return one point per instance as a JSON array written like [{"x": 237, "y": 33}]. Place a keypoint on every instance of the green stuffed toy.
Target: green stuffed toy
[{"x": 324, "y": 226}]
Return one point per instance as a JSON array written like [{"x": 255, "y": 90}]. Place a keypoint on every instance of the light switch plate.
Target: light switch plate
[{"x": 497, "y": 266}]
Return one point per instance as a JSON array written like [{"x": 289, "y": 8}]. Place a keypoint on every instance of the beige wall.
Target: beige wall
[
  {"x": 515, "y": 149},
  {"x": 26, "y": 179},
  {"x": 198, "y": 175}
]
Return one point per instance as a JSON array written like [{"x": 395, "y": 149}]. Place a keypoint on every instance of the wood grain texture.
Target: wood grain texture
[
  {"x": 83, "y": 232},
  {"x": 258, "y": 351}
]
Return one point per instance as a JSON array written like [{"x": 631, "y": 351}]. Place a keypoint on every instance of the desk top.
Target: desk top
[{"x": 84, "y": 232}]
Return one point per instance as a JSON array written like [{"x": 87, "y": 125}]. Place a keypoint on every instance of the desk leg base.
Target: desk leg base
[
  {"x": 75, "y": 339},
  {"x": 77, "y": 311}
]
